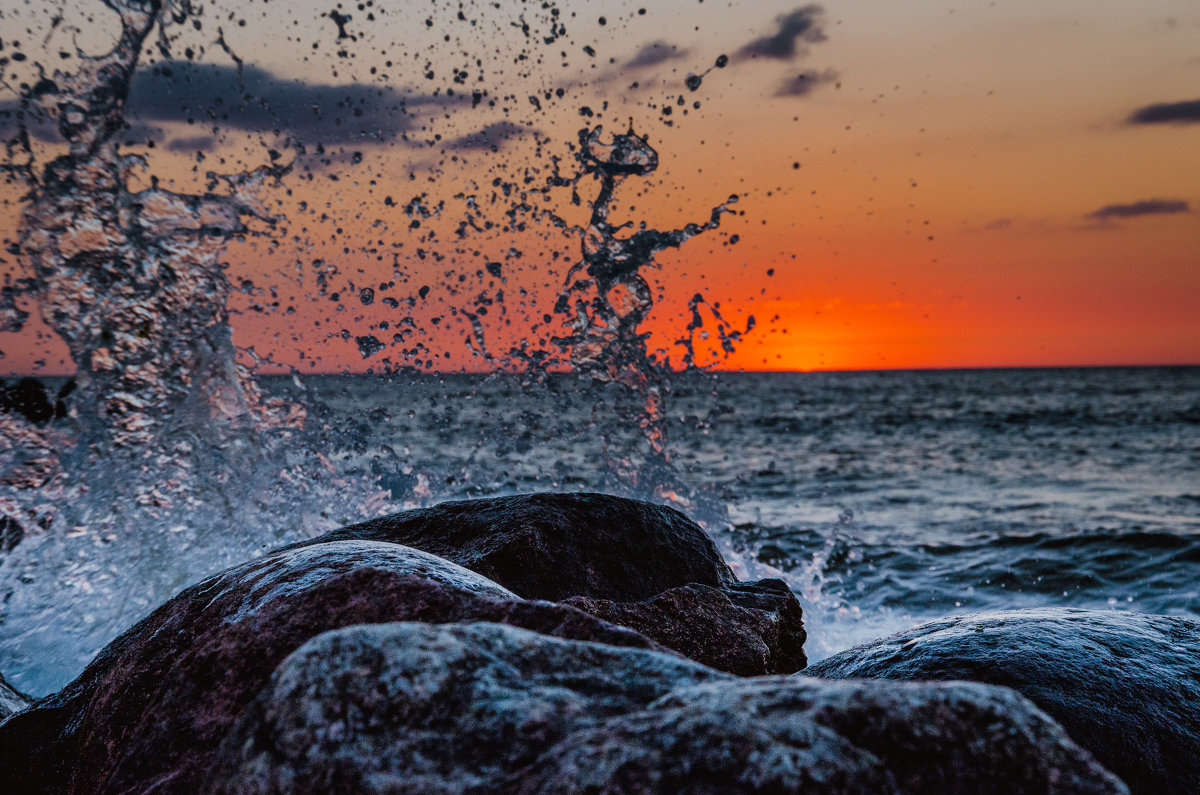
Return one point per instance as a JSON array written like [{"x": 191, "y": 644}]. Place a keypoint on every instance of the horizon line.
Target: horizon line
[{"x": 501, "y": 371}]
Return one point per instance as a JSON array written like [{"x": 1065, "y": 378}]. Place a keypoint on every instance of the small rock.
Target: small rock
[{"x": 29, "y": 399}]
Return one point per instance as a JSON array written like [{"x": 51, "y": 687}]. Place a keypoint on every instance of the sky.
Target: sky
[{"x": 920, "y": 185}]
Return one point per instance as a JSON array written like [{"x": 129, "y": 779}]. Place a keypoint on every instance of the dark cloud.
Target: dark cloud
[
  {"x": 654, "y": 53},
  {"x": 258, "y": 101},
  {"x": 803, "y": 24},
  {"x": 802, "y": 84},
  {"x": 40, "y": 127},
  {"x": 1139, "y": 208},
  {"x": 1168, "y": 113},
  {"x": 212, "y": 95},
  {"x": 140, "y": 134},
  {"x": 490, "y": 137},
  {"x": 36, "y": 122},
  {"x": 195, "y": 143}
]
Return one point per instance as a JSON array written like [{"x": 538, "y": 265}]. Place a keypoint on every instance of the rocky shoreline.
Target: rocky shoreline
[{"x": 583, "y": 642}]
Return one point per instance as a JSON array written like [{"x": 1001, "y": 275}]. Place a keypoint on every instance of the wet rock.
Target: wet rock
[
  {"x": 154, "y": 704},
  {"x": 12, "y": 530},
  {"x": 1126, "y": 686},
  {"x": 483, "y": 708},
  {"x": 551, "y": 546},
  {"x": 748, "y": 629},
  {"x": 29, "y": 399},
  {"x": 11, "y": 699},
  {"x": 634, "y": 563}
]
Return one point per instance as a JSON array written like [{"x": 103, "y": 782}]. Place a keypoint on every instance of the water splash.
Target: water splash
[
  {"x": 173, "y": 462},
  {"x": 605, "y": 300}
]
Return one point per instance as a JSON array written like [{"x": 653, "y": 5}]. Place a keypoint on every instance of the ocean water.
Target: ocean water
[{"x": 883, "y": 498}]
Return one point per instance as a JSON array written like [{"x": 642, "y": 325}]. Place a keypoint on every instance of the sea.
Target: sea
[{"x": 884, "y": 499}]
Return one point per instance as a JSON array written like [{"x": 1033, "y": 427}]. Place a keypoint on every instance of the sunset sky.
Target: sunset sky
[{"x": 922, "y": 184}]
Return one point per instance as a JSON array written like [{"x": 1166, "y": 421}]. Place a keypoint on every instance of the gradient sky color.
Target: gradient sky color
[{"x": 927, "y": 184}]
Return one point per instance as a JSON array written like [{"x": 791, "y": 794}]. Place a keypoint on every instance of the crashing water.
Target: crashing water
[{"x": 172, "y": 462}]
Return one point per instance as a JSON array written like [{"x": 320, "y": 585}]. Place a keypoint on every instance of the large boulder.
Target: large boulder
[
  {"x": 154, "y": 705},
  {"x": 551, "y": 546},
  {"x": 1126, "y": 686},
  {"x": 635, "y": 563},
  {"x": 486, "y": 708}
]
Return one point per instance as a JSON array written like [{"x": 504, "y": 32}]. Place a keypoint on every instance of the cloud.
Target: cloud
[
  {"x": 194, "y": 143},
  {"x": 140, "y": 133},
  {"x": 994, "y": 226},
  {"x": 654, "y": 53},
  {"x": 493, "y": 136},
  {"x": 1140, "y": 208},
  {"x": 802, "y": 84},
  {"x": 803, "y": 24},
  {"x": 1168, "y": 113},
  {"x": 211, "y": 95},
  {"x": 36, "y": 122},
  {"x": 40, "y": 127}
]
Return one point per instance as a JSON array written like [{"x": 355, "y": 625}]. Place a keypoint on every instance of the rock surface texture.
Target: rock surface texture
[
  {"x": 551, "y": 546},
  {"x": 1126, "y": 686},
  {"x": 153, "y": 706},
  {"x": 747, "y": 629},
  {"x": 487, "y": 708},
  {"x": 634, "y": 563}
]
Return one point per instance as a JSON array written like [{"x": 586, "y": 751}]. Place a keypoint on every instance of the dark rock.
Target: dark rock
[
  {"x": 551, "y": 546},
  {"x": 627, "y": 561},
  {"x": 748, "y": 629},
  {"x": 12, "y": 532},
  {"x": 61, "y": 410},
  {"x": 29, "y": 399},
  {"x": 11, "y": 699},
  {"x": 484, "y": 708},
  {"x": 155, "y": 703},
  {"x": 1126, "y": 686}
]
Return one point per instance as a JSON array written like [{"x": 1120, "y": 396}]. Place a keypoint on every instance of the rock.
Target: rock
[
  {"x": 12, "y": 530},
  {"x": 11, "y": 699},
  {"x": 748, "y": 629},
  {"x": 551, "y": 546},
  {"x": 1125, "y": 686},
  {"x": 484, "y": 708},
  {"x": 635, "y": 563},
  {"x": 156, "y": 702},
  {"x": 29, "y": 399}
]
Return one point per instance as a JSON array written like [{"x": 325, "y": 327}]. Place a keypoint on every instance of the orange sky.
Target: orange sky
[{"x": 951, "y": 157}]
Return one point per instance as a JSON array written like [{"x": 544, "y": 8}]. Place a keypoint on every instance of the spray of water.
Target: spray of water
[
  {"x": 173, "y": 462},
  {"x": 605, "y": 300}
]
